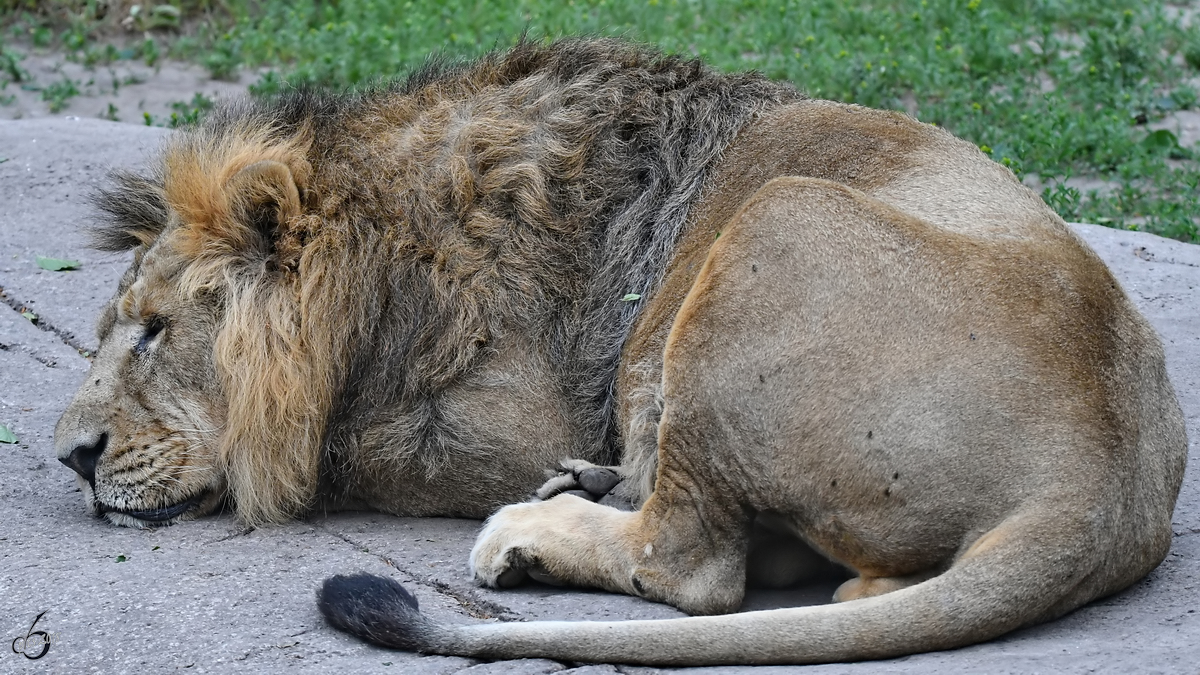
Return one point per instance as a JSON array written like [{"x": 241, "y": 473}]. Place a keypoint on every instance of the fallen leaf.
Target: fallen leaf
[
  {"x": 57, "y": 264},
  {"x": 121, "y": 558},
  {"x": 1160, "y": 140},
  {"x": 33, "y": 318},
  {"x": 7, "y": 436},
  {"x": 630, "y": 297}
]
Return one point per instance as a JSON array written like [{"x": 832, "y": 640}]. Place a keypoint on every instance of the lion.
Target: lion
[{"x": 729, "y": 305}]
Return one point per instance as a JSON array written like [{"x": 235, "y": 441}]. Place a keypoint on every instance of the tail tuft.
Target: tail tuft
[{"x": 376, "y": 609}]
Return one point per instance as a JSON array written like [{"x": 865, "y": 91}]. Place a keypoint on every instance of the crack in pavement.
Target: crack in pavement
[
  {"x": 470, "y": 603},
  {"x": 43, "y": 324},
  {"x": 565, "y": 667},
  {"x": 49, "y": 363},
  {"x": 1149, "y": 256},
  {"x": 232, "y": 535}
]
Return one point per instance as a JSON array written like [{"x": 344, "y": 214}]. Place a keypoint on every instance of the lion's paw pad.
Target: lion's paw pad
[
  {"x": 582, "y": 479},
  {"x": 598, "y": 480}
]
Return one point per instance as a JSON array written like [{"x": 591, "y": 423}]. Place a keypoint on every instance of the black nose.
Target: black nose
[{"x": 83, "y": 458}]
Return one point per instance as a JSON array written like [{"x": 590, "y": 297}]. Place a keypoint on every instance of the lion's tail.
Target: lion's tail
[{"x": 980, "y": 597}]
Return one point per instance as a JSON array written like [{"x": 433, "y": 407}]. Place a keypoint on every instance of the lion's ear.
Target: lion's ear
[
  {"x": 135, "y": 209},
  {"x": 265, "y": 197}
]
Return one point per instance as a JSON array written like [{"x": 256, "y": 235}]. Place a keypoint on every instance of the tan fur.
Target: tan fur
[
  {"x": 839, "y": 322},
  {"x": 909, "y": 360},
  {"x": 264, "y": 353}
]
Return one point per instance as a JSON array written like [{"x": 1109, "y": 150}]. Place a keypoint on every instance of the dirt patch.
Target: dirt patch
[{"x": 124, "y": 90}]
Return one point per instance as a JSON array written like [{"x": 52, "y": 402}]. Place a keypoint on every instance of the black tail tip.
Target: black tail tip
[{"x": 376, "y": 609}]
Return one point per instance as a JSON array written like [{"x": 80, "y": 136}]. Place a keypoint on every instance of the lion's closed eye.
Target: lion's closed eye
[{"x": 154, "y": 326}]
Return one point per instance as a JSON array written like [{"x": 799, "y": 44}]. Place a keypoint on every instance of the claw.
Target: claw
[
  {"x": 511, "y": 578},
  {"x": 540, "y": 575}
]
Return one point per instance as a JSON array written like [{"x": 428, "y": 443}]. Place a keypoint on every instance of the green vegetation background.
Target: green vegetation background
[{"x": 1054, "y": 89}]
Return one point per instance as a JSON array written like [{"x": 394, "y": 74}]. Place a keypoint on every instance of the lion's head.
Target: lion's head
[
  {"x": 141, "y": 432},
  {"x": 199, "y": 390}
]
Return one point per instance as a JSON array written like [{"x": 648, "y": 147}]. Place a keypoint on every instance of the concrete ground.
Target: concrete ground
[{"x": 207, "y": 596}]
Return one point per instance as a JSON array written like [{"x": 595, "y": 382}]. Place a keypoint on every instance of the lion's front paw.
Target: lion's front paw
[{"x": 503, "y": 556}]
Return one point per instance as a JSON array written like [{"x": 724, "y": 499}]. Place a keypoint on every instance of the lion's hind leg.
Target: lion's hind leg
[
  {"x": 769, "y": 407},
  {"x": 721, "y": 392}
]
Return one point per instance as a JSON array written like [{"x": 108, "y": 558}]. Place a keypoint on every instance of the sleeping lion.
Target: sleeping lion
[{"x": 757, "y": 308}]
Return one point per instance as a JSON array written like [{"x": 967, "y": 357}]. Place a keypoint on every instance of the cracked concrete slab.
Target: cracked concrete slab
[
  {"x": 208, "y": 597},
  {"x": 51, "y": 167}
]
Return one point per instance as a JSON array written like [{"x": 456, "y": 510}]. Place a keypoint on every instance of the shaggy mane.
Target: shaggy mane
[
  {"x": 520, "y": 196},
  {"x": 134, "y": 212}
]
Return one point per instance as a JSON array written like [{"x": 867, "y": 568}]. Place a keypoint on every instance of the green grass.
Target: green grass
[{"x": 1054, "y": 89}]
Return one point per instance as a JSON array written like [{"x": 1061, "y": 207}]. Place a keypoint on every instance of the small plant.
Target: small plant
[
  {"x": 1063, "y": 199},
  {"x": 59, "y": 93},
  {"x": 10, "y": 66},
  {"x": 110, "y": 114},
  {"x": 1191, "y": 50},
  {"x": 149, "y": 51},
  {"x": 182, "y": 113},
  {"x": 95, "y": 55},
  {"x": 223, "y": 62},
  {"x": 41, "y": 35},
  {"x": 269, "y": 84},
  {"x": 187, "y": 114},
  {"x": 75, "y": 38}
]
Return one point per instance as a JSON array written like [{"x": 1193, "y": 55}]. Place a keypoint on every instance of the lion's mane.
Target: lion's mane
[{"x": 526, "y": 193}]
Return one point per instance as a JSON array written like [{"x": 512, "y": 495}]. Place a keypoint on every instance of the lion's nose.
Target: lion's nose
[{"x": 82, "y": 460}]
